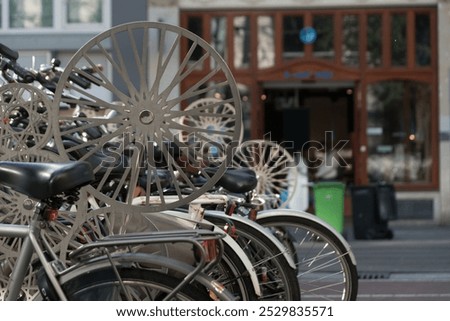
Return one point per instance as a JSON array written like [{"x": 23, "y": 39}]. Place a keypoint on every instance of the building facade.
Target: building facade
[{"x": 371, "y": 76}]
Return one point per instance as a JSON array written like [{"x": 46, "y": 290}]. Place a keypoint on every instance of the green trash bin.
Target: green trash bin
[{"x": 329, "y": 203}]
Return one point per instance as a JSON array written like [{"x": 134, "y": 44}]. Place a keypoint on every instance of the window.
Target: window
[
  {"x": 398, "y": 132},
  {"x": 84, "y": 11},
  {"x": 350, "y": 45},
  {"x": 195, "y": 24},
  {"x": 324, "y": 44},
  {"x": 373, "y": 52},
  {"x": 423, "y": 40},
  {"x": 219, "y": 36},
  {"x": 292, "y": 46},
  {"x": 55, "y": 15},
  {"x": 266, "y": 42},
  {"x": 398, "y": 40},
  {"x": 30, "y": 13},
  {"x": 244, "y": 91},
  {"x": 241, "y": 41}
]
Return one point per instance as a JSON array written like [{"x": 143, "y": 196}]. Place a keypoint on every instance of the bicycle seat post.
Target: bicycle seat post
[{"x": 28, "y": 248}]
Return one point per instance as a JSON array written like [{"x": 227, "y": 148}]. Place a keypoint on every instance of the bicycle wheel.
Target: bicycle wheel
[
  {"x": 325, "y": 264},
  {"x": 204, "y": 113},
  {"x": 234, "y": 276},
  {"x": 274, "y": 167},
  {"x": 134, "y": 285},
  {"x": 234, "y": 270},
  {"x": 143, "y": 82},
  {"x": 25, "y": 114},
  {"x": 278, "y": 279}
]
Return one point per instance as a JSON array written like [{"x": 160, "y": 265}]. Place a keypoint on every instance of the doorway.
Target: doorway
[{"x": 304, "y": 118}]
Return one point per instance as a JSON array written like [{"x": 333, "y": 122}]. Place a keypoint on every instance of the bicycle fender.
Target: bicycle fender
[
  {"x": 230, "y": 242},
  {"x": 128, "y": 259},
  {"x": 261, "y": 229},
  {"x": 311, "y": 217}
]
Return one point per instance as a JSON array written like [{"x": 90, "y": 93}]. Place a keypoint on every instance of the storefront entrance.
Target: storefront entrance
[{"x": 312, "y": 118}]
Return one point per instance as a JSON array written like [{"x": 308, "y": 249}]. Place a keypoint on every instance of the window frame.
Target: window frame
[
  {"x": 361, "y": 75},
  {"x": 60, "y": 24}
]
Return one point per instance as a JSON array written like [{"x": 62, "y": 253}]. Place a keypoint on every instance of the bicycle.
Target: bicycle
[
  {"x": 324, "y": 262},
  {"x": 102, "y": 270},
  {"x": 234, "y": 264}
]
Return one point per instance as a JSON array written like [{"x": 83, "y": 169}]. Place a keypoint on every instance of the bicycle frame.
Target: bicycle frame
[
  {"x": 33, "y": 243},
  {"x": 30, "y": 236}
]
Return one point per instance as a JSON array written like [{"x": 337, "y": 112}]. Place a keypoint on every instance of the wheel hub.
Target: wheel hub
[{"x": 146, "y": 117}]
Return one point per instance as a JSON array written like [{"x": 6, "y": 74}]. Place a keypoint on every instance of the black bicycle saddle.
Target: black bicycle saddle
[
  {"x": 236, "y": 180},
  {"x": 43, "y": 180}
]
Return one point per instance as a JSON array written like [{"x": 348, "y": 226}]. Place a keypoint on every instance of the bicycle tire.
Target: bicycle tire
[
  {"x": 326, "y": 266},
  {"x": 275, "y": 168},
  {"x": 148, "y": 101},
  {"x": 234, "y": 270},
  {"x": 233, "y": 274},
  {"x": 278, "y": 280},
  {"x": 103, "y": 285}
]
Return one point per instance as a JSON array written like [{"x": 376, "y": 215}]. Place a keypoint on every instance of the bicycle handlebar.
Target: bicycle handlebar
[
  {"x": 80, "y": 81},
  {"x": 26, "y": 75},
  {"x": 8, "y": 52}
]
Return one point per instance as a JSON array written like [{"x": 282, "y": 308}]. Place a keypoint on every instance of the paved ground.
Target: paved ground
[{"x": 414, "y": 265}]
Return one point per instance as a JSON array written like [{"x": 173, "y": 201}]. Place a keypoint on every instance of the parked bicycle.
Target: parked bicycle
[
  {"x": 235, "y": 269},
  {"x": 102, "y": 270}
]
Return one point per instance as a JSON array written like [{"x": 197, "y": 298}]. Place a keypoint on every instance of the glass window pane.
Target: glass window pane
[
  {"x": 219, "y": 35},
  {"x": 423, "y": 40},
  {"x": 398, "y": 44},
  {"x": 84, "y": 11},
  {"x": 398, "y": 133},
  {"x": 350, "y": 46},
  {"x": 30, "y": 13},
  {"x": 373, "y": 53},
  {"x": 324, "y": 44},
  {"x": 292, "y": 46},
  {"x": 244, "y": 91},
  {"x": 266, "y": 42},
  {"x": 195, "y": 25},
  {"x": 241, "y": 41}
]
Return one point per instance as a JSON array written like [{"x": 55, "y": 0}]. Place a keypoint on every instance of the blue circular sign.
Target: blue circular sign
[{"x": 308, "y": 35}]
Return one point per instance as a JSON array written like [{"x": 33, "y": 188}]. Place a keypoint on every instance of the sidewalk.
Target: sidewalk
[{"x": 414, "y": 265}]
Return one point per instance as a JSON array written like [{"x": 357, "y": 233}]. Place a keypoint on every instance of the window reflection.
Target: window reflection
[
  {"x": 266, "y": 42},
  {"x": 30, "y": 13},
  {"x": 244, "y": 92},
  {"x": 219, "y": 35},
  {"x": 241, "y": 26},
  {"x": 398, "y": 44},
  {"x": 373, "y": 53},
  {"x": 292, "y": 46},
  {"x": 398, "y": 132},
  {"x": 84, "y": 11},
  {"x": 350, "y": 46},
  {"x": 324, "y": 44}
]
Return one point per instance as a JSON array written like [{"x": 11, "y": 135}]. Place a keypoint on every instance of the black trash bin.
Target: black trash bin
[
  {"x": 387, "y": 204},
  {"x": 371, "y": 206}
]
